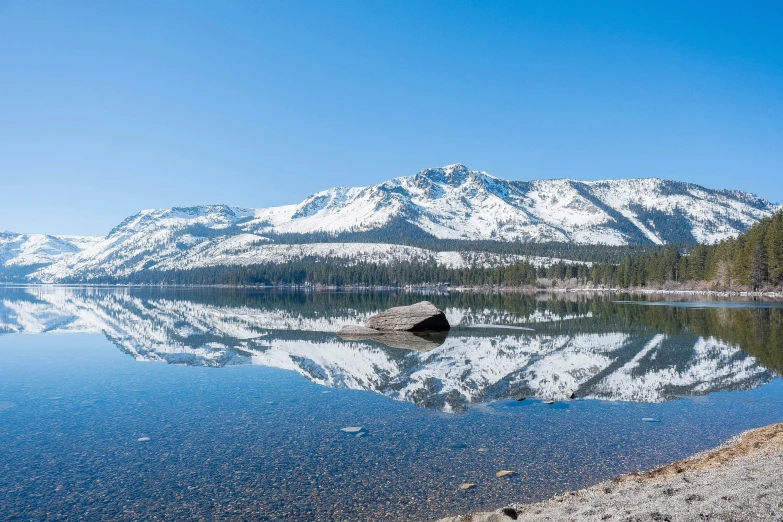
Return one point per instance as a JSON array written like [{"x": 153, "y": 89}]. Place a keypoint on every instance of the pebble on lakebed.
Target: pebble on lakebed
[
  {"x": 467, "y": 485},
  {"x": 504, "y": 473},
  {"x": 356, "y": 431}
]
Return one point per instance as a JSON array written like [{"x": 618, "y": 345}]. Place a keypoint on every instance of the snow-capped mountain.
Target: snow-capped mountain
[
  {"x": 454, "y": 202},
  {"x": 557, "y": 358},
  {"x": 451, "y": 202},
  {"x": 21, "y": 254}
]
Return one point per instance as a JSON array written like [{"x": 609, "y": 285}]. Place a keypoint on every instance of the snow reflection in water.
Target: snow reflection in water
[{"x": 500, "y": 347}]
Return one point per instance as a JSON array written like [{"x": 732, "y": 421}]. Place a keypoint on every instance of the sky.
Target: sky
[{"x": 109, "y": 107}]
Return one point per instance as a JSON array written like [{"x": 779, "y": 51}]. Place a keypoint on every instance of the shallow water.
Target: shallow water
[{"x": 244, "y": 422}]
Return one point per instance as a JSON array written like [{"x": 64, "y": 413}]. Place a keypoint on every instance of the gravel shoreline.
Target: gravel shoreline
[{"x": 738, "y": 481}]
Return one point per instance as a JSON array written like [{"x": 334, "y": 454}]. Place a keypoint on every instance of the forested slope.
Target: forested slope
[{"x": 751, "y": 261}]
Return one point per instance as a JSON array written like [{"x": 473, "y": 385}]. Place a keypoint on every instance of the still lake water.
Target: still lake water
[{"x": 137, "y": 404}]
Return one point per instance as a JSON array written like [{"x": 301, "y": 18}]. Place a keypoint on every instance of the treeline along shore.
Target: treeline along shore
[{"x": 753, "y": 262}]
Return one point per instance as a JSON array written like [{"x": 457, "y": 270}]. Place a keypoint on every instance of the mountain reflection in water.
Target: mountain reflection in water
[{"x": 563, "y": 347}]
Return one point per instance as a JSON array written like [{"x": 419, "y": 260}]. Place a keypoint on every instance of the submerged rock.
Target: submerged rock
[
  {"x": 423, "y": 316},
  {"x": 467, "y": 485},
  {"x": 504, "y": 473}
]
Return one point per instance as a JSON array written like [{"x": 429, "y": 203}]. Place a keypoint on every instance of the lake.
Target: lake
[{"x": 205, "y": 404}]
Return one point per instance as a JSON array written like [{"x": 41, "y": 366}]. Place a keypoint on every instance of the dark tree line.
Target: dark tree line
[{"x": 752, "y": 260}]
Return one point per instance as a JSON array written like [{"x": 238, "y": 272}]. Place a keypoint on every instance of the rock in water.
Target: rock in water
[
  {"x": 467, "y": 485},
  {"x": 423, "y": 316},
  {"x": 351, "y": 330},
  {"x": 503, "y": 473}
]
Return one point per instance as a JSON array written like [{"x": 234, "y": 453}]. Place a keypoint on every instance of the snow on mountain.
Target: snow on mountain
[
  {"x": 145, "y": 239},
  {"x": 454, "y": 202},
  {"x": 22, "y": 253},
  {"x": 451, "y": 202},
  {"x": 247, "y": 249},
  {"x": 471, "y": 366}
]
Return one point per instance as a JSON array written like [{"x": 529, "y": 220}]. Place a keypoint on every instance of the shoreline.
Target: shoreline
[
  {"x": 770, "y": 294},
  {"x": 738, "y": 480}
]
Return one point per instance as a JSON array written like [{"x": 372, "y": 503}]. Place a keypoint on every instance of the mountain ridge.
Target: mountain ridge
[{"x": 450, "y": 203}]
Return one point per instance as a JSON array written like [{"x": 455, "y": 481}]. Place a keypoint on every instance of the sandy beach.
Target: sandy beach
[{"x": 738, "y": 481}]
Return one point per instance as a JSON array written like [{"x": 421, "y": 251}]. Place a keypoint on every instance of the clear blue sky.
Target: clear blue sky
[{"x": 108, "y": 107}]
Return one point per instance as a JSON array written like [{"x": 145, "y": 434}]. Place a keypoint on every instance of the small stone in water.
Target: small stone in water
[
  {"x": 503, "y": 473},
  {"x": 143, "y": 439},
  {"x": 467, "y": 485},
  {"x": 352, "y": 429}
]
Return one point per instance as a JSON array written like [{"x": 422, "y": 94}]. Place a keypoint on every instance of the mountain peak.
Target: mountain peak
[
  {"x": 455, "y": 174},
  {"x": 459, "y": 167}
]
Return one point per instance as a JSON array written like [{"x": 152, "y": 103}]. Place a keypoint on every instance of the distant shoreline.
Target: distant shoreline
[{"x": 771, "y": 294}]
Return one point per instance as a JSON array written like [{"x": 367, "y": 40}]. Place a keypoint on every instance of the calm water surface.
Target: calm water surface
[{"x": 218, "y": 404}]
